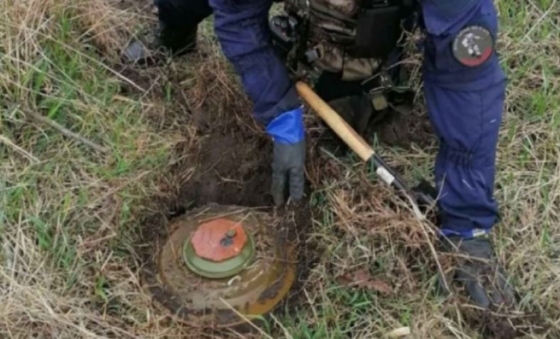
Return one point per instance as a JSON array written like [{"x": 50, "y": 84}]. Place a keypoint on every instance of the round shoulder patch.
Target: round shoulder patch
[{"x": 473, "y": 46}]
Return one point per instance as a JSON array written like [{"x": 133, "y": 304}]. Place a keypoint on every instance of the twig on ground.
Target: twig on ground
[
  {"x": 18, "y": 149},
  {"x": 434, "y": 253},
  {"x": 65, "y": 131}
]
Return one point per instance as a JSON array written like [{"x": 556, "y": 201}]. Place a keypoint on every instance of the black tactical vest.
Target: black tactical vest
[{"x": 351, "y": 36}]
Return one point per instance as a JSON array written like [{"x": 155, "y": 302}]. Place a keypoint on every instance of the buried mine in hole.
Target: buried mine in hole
[{"x": 221, "y": 266}]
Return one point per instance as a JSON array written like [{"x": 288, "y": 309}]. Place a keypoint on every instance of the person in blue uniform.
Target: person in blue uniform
[{"x": 464, "y": 88}]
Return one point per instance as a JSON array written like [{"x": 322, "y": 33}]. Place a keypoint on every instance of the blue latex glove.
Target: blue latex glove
[{"x": 288, "y": 161}]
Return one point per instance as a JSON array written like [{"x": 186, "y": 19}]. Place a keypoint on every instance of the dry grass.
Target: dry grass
[
  {"x": 67, "y": 210},
  {"x": 69, "y": 214}
]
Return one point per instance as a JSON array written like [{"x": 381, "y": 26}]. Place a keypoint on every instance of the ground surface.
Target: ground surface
[{"x": 77, "y": 213}]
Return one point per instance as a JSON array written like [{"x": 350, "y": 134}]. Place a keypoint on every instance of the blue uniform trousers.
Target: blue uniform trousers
[{"x": 465, "y": 106}]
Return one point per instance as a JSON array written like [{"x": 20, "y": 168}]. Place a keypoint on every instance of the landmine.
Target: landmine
[{"x": 221, "y": 266}]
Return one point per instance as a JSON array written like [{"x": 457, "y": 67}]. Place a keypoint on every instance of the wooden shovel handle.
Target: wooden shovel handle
[{"x": 338, "y": 125}]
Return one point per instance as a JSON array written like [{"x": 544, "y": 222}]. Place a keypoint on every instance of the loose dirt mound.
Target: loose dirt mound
[{"x": 233, "y": 168}]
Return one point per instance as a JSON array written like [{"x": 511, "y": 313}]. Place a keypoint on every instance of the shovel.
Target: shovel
[{"x": 419, "y": 198}]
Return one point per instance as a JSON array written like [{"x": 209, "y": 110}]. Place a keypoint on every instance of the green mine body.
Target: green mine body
[{"x": 213, "y": 277}]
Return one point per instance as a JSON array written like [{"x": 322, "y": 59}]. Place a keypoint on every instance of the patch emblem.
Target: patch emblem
[{"x": 473, "y": 46}]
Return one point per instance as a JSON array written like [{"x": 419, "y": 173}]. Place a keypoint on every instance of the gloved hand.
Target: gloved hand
[
  {"x": 288, "y": 160},
  {"x": 483, "y": 278}
]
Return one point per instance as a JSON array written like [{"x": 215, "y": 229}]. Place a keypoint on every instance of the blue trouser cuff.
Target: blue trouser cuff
[{"x": 287, "y": 128}]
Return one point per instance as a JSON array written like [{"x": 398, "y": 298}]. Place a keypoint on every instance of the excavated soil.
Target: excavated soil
[{"x": 228, "y": 163}]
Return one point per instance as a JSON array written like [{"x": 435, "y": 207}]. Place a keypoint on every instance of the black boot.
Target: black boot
[
  {"x": 356, "y": 110},
  {"x": 476, "y": 268},
  {"x": 175, "y": 35},
  {"x": 164, "y": 42}
]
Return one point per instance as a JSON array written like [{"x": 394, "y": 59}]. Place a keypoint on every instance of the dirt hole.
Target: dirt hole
[{"x": 228, "y": 164}]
